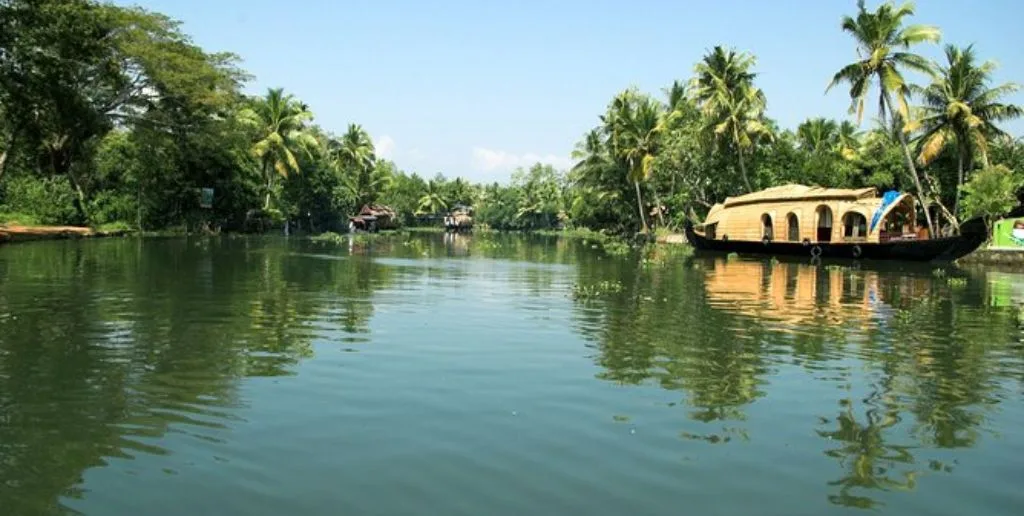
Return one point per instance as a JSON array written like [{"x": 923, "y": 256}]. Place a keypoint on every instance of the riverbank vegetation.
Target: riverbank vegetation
[{"x": 114, "y": 116}]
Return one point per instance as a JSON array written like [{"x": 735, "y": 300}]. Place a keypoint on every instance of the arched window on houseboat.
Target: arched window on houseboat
[
  {"x": 766, "y": 227},
  {"x": 824, "y": 216},
  {"x": 794, "y": 227},
  {"x": 855, "y": 225}
]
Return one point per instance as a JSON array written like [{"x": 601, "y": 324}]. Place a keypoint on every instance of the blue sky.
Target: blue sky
[{"x": 478, "y": 87}]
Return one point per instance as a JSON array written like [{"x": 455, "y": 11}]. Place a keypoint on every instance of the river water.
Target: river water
[{"x": 495, "y": 374}]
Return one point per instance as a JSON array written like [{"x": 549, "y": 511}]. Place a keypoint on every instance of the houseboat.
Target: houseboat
[
  {"x": 828, "y": 223},
  {"x": 459, "y": 220}
]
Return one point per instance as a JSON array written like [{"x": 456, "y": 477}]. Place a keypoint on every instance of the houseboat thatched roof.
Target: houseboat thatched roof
[{"x": 797, "y": 192}]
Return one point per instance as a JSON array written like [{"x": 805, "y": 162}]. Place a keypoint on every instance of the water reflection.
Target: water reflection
[
  {"x": 792, "y": 294},
  {"x": 108, "y": 347},
  {"x": 916, "y": 359},
  {"x": 874, "y": 378}
]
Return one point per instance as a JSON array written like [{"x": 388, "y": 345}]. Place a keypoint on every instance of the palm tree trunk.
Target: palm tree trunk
[
  {"x": 80, "y": 207},
  {"x": 909, "y": 160},
  {"x": 959, "y": 181},
  {"x": 640, "y": 207},
  {"x": 3, "y": 162},
  {"x": 657, "y": 200},
  {"x": 270, "y": 181},
  {"x": 743, "y": 169},
  {"x": 8, "y": 145}
]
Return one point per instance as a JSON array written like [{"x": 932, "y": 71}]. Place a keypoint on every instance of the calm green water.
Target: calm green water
[{"x": 439, "y": 375}]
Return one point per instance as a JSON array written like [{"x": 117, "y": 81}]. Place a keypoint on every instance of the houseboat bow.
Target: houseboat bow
[{"x": 820, "y": 222}]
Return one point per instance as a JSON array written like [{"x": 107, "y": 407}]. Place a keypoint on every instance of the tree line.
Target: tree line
[{"x": 112, "y": 116}]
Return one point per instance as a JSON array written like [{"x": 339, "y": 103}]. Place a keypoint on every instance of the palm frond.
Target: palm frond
[
  {"x": 851, "y": 73},
  {"x": 915, "y": 62},
  {"x": 932, "y": 146},
  {"x": 995, "y": 93},
  {"x": 914, "y": 34}
]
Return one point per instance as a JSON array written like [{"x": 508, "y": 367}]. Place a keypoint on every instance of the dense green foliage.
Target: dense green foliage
[
  {"x": 991, "y": 192},
  {"x": 113, "y": 115}
]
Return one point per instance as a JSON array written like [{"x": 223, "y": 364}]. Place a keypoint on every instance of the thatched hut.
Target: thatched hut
[{"x": 374, "y": 217}]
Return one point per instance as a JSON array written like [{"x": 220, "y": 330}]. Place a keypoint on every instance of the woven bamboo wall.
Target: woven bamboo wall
[{"x": 744, "y": 222}]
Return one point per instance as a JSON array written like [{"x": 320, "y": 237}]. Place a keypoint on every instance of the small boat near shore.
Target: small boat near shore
[{"x": 816, "y": 222}]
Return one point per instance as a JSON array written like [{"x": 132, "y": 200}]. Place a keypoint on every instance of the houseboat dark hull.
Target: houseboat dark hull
[{"x": 938, "y": 249}]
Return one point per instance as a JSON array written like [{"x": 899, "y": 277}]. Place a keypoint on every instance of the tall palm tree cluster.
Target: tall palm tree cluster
[
  {"x": 282, "y": 135},
  {"x": 711, "y": 138}
]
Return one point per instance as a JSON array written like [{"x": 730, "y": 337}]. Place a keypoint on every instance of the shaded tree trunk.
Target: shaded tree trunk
[
  {"x": 3, "y": 161},
  {"x": 270, "y": 185},
  {"x": 959, "y": 181},
  {"x": 661, "y": 215},
  {"x": 60, "y": 161},
  {"x": 640, "y": 207},
  {"x": 743, "y": 169},
  {"x": 83, "y": 213},
  {"x": 6, "y": 152},
  {"x": 909, "y": 160}
]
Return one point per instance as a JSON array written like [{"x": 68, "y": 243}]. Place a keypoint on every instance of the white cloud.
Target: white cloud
[
  {"x": 384, "y": 146},
  {"x": 489, "y": 160}
]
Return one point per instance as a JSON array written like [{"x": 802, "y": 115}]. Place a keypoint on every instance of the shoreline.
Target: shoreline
[
  {"x": 18, "y": 233},
  {"x": 11, "y": 234},
  {"x": 1002, "y": 256}
]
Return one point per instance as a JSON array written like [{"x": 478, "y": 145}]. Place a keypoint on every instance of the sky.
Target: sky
[{"x": 476, "y": 88}]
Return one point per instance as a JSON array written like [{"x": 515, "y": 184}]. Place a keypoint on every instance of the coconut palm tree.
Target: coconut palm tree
[
  {"x": 432, "y": 200},
  {"x": 365, "y": 186},
  {"x": 732, "y": 106},
  {"x": 678, "y": 105},
  {"x": 595, "y": 176},
  {"x": 959, "y": 107},
  {"x": 883, "y": 44},
  {"x": 822, "y": 135},
  {"x": 590, "y": 152},
  {"x": 634, "y": 128},
  {"x": 848, "y": 140},
  {"x": 817, "y": 135},
  {"x": 279, "y": 121},
  {"x": 355, "y": 158},
  {"x": 354, "y": 152}
]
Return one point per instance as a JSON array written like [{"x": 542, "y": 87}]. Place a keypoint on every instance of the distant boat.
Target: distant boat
[
  {"x": 459, "y": 219},
  {"x": 799, "y": 220}
]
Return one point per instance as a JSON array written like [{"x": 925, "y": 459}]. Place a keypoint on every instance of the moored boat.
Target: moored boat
[
  {"x": 828, "y": 223},
  {"x": 459, "y": 220}
]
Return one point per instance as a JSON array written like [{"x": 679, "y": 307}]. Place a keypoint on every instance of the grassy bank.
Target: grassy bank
[{"x": 10, "y": 233}]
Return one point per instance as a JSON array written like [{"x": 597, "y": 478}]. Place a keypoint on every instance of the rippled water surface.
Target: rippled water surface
[{"x": 432, "y": 374}]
